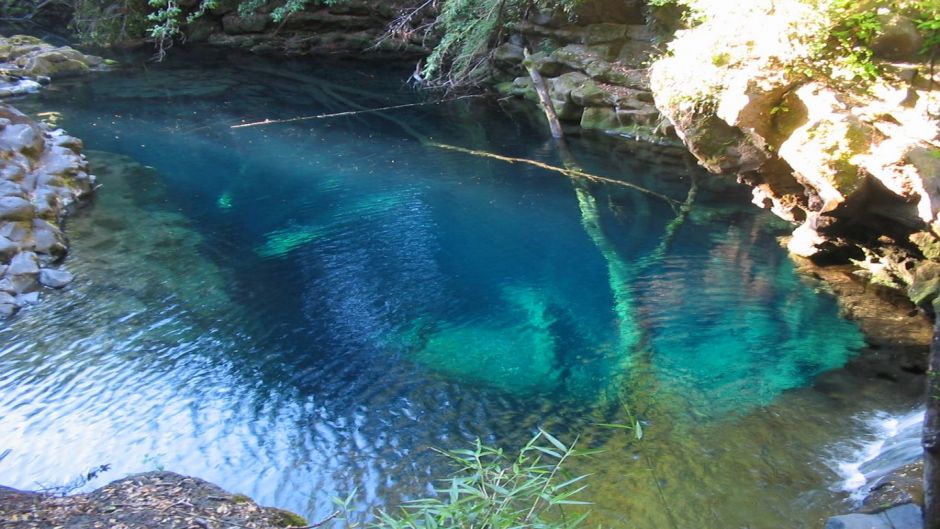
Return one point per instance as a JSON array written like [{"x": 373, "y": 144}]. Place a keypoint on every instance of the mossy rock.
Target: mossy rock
[
  {"x": 567, "y": 111},
  {"x": 604, "y": 32},
  {"x": 600, "y": 118},
  {"x": 588, "y": 94},
  {"x": 508, "y": 55},
  {"x": 927, "y": 243},
  {"x": 577, "y": 56},
  {"x": 562, "y": 86},
  {"x": 925, "y": 287},
  {"x": 545, "y": 64},
  {"x": 617, "y": 74}
]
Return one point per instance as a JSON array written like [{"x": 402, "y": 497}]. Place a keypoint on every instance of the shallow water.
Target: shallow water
[{"x": 297, "y": 310}]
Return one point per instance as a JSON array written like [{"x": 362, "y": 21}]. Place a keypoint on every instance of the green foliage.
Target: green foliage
[
  {"x": 105, "y": 22},
  {"x": 493, "y": 490},
  {"x": 851, "y": 37},
  {"x": 470, "y": 28},
  {"x": 928, "y": 23}
]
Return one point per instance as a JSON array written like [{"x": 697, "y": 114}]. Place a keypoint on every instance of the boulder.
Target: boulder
[
  {"x": 508, "y": 55},
  {"x": 9, "y": 188},
  {"x": 21, "y": 137},
  {"x": 545, "y": 64},
  {"x": 16, "y": 208},
  {"x": 23, "y": 263},
  {"x": 588, "y": 94},
  {"x": 576, "y": 56},
  {"x": 8, "y": 249},
  {"x": 902, "y": 486},
  {"x": 28, "y": 298},
  {"x": 898, "y": 40},
  {"x": 600, "y": 118},
  {"x": 52, "y": 278},
  {"x": 907, "y": 516},
  {"x": 48, "y": 240},
  {"x": 18, "y": 87},
  {"x": 618, "y": 74},
  {"x": 567, "y": 111},
  {"x": 53, "y": 64},
  {"x": 561, "y": 87},
  {"x": 604, "y": 32}
]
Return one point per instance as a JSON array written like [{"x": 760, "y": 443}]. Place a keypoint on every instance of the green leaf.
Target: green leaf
[{"x": 551, "y": 439}]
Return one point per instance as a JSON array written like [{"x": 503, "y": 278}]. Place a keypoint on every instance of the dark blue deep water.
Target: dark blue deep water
[{"x": 297, "y": 310}]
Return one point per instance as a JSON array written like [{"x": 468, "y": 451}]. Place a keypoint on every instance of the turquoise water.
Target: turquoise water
[{"x": 297, "y": 310}]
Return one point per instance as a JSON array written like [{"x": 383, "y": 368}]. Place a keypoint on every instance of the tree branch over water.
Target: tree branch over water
[{"x": 571, "y": 173}]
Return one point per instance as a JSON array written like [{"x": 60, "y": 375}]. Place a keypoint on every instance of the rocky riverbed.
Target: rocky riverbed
[
  {"x": 152, "y": 499},
  {"x": 42, "y": 173}
]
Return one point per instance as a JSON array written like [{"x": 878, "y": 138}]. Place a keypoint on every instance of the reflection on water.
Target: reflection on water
[{"x": 299, "y": 310}]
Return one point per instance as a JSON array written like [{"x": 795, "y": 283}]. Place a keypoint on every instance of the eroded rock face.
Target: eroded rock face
[
  {"x": 27, "y": 62},
  {"x": 152, "y": 499},
  {"x": 349, "y": 27},
  {"x": 856, "y": 169},
  {"x": 42, "y": 172},
  {"x": 596, "y": 71}
]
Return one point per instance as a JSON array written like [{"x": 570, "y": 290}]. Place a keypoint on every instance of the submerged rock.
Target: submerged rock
[{"x": 152, "y": 499}]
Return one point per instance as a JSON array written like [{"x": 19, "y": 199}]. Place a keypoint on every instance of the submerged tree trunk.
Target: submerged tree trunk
[
  {"x": 544, "y": 99},
  {"x": 931, "y": 439}
]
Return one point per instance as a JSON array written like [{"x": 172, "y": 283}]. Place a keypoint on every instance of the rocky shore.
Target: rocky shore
[
  {"x": 28, "y": 63},
  {"x": 144, "y": 501},
  {"x": 42, "y": 173}
]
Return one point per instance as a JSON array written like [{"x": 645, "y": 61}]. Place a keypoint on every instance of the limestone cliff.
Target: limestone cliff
[
  {"x": 855, "y": 165},
  {"x": 342, "y": 28}
]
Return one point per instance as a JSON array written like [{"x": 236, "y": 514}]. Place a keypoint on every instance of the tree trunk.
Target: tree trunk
[
  {"x": 931, "y": 436},
  {"x": 544, "y": 98}
]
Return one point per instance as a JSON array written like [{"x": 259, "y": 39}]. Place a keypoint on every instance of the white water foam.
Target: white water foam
[{"x": 892, "y": 442}]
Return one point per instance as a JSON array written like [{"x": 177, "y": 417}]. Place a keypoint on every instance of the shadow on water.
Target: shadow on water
[{"x": 297, "y": 310}]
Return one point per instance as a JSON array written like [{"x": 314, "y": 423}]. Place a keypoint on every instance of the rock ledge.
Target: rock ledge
[{"x": 152, "y": 499}]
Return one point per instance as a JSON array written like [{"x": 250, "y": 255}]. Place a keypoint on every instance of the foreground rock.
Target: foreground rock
[
  {"x": 907, "y": 516},
  {"x": 153, "y": 499},
  {"x": 42, "y": 172},
  {"x": 28, "y": 62}
]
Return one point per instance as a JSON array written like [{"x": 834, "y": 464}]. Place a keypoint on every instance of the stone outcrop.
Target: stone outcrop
[
  {"x": 42, "y": 172},
  {"x": 346, "y": 28},
  {"x": 27, "y": 62},
  {"x": 143, "y": 501},
  {"x": 596, "y": 73},
  {"x": 855, "y": 169},
  {"x": 906, "y": 516}
]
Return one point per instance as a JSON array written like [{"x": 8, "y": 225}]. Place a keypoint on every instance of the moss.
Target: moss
[
  {"x": 282, "y": 518},
  {"x": 241, "y": 498},
  {"x": 927, "y": 243}
]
